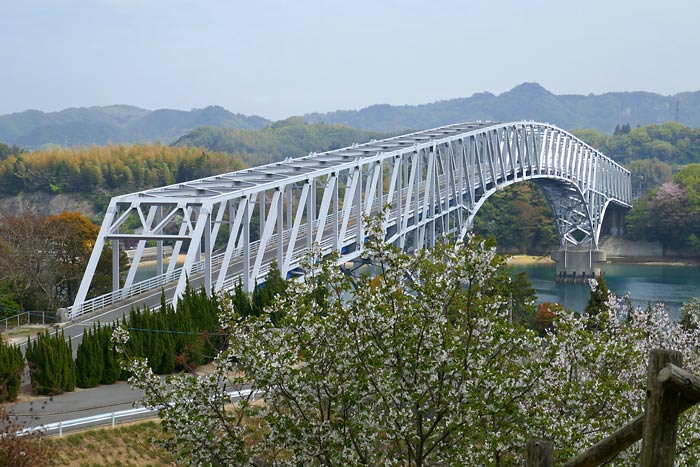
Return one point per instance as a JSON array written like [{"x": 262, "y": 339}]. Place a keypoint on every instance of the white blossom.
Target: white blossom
[{"x": 421, "y": 360}]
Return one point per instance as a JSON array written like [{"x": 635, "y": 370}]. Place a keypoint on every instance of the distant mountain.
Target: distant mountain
[
  {"x": 116, "y": 124},
  {"x": 528, "y": 101}
]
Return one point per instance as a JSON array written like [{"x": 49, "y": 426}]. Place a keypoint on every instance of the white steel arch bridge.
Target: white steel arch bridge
[{"x": 231, "y": 227}]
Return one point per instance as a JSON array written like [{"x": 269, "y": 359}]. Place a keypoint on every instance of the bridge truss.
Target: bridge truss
[{"x": 231, "y": 227}]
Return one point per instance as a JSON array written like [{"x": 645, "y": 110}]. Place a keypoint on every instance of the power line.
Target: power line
[{"x": 168, "y": 331}]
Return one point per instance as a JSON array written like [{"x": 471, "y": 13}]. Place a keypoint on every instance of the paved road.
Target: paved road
[
  {"x": 78, "y": 404},
  {"x": 88, "y": 408}
]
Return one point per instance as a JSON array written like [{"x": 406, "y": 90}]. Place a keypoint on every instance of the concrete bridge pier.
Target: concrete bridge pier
[{"x": 578, "y": 265}]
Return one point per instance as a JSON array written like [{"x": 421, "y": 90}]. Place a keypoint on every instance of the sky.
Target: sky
[{"x": 279, "y": 58}]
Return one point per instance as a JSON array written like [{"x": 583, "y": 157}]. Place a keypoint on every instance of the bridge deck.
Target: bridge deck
[{"x": 432, "y": 182}]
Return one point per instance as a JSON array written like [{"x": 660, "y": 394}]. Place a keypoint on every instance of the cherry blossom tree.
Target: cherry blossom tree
[{"x": 419, "y": 364}]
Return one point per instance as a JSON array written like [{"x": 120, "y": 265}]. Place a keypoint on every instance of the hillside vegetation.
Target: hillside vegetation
[
  {"x": 111, "y": 169},
  {"x": 670, "y": 142},
  {"x": 287, "y": 138},
  {"x": 670, "y": 214}
]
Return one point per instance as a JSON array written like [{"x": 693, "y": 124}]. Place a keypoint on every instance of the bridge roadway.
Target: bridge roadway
[{"x": 74, "y": 329}]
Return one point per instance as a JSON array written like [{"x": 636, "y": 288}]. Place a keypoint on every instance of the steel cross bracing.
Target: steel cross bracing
[{"x": 231, "y": 227}]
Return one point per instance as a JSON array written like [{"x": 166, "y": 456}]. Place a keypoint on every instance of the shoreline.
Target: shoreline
[
  {"x": 526, "y": 260},
  {"x": 653, "y": 261}
]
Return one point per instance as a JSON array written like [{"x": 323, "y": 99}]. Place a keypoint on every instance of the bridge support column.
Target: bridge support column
[
  {"x": 578, "y": 265},
  {"x": 618, "y": 225}
]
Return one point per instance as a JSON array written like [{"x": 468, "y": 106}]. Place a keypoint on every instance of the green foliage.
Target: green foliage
[
  {"x": 11, "y": 366},
  {"x": 7, "y": 151},
  {"x": 111, "y": 371},
  {"x": 690, "y": 314},
  {"x": 109, "y": 168},
  {"x": 598, "y": 300},
  {"x": 418, "y": 369},
  {"x": 96, "y": 362},
  {"x": 264, "y": 295},
  {"x": 670, "y": 143},
  {"x": 521, "y": 297},
  {"x": 647, "y": 174},
  {"x": 8, "y": 304},
  {"x": 287, "y": 138},
  {"x": 177, "y": 340},
  {"x": 519, "y": 219},
  {"x": 241, "y": 300},
  {"x": 184, "y": 339},
  {"x": 51, "y": 365},
  {"x": 670, "y": 214}
]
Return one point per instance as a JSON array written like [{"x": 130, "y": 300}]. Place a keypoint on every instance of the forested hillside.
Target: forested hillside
[
  {"x": 287, "y": 138},
  {"x": 651, "y": 152},
  {"x": 669, "y": 142},
  {"x": 113, "y": 124},
  {"x": 109, "y": 169},
  {"x": 528, "y": 101},
  {"x": 670, "y": 214},
  {"x": 519, "y": 219},
  {"x": 103, "y": 171}
]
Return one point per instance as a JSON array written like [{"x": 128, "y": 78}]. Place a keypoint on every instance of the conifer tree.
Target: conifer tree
[
  {"x": 598, "y": 301},
  {"x": 241, "y": 301},
  {"x": 111, "y": 370},
  {"x": 11, "y": 366},
  {"x": 89, "y": 363},
  {"x": 51, "y": 365}
]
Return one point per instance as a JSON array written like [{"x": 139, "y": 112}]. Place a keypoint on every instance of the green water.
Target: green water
[{"x": 673, "y": 285}]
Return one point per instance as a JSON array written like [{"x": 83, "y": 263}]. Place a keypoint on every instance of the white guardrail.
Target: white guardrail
[
  {"x": 157, "y": 282},
  {"x": 162, "y": 280},
  {"x": 109, "y": 418}
]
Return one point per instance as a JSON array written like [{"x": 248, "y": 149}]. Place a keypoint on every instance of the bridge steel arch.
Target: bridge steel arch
[{"x": 231, "y": 227}]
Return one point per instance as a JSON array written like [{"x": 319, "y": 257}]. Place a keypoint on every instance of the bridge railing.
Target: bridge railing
[
  {"x": 160, "y": 281},
  {"x": 156, "y": 282}
]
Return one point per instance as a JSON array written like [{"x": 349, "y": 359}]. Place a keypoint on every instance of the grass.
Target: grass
[{"x": 125, "y": 446}]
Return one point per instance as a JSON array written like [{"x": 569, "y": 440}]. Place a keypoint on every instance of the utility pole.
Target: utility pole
[{"x": 677, "y": 109}]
